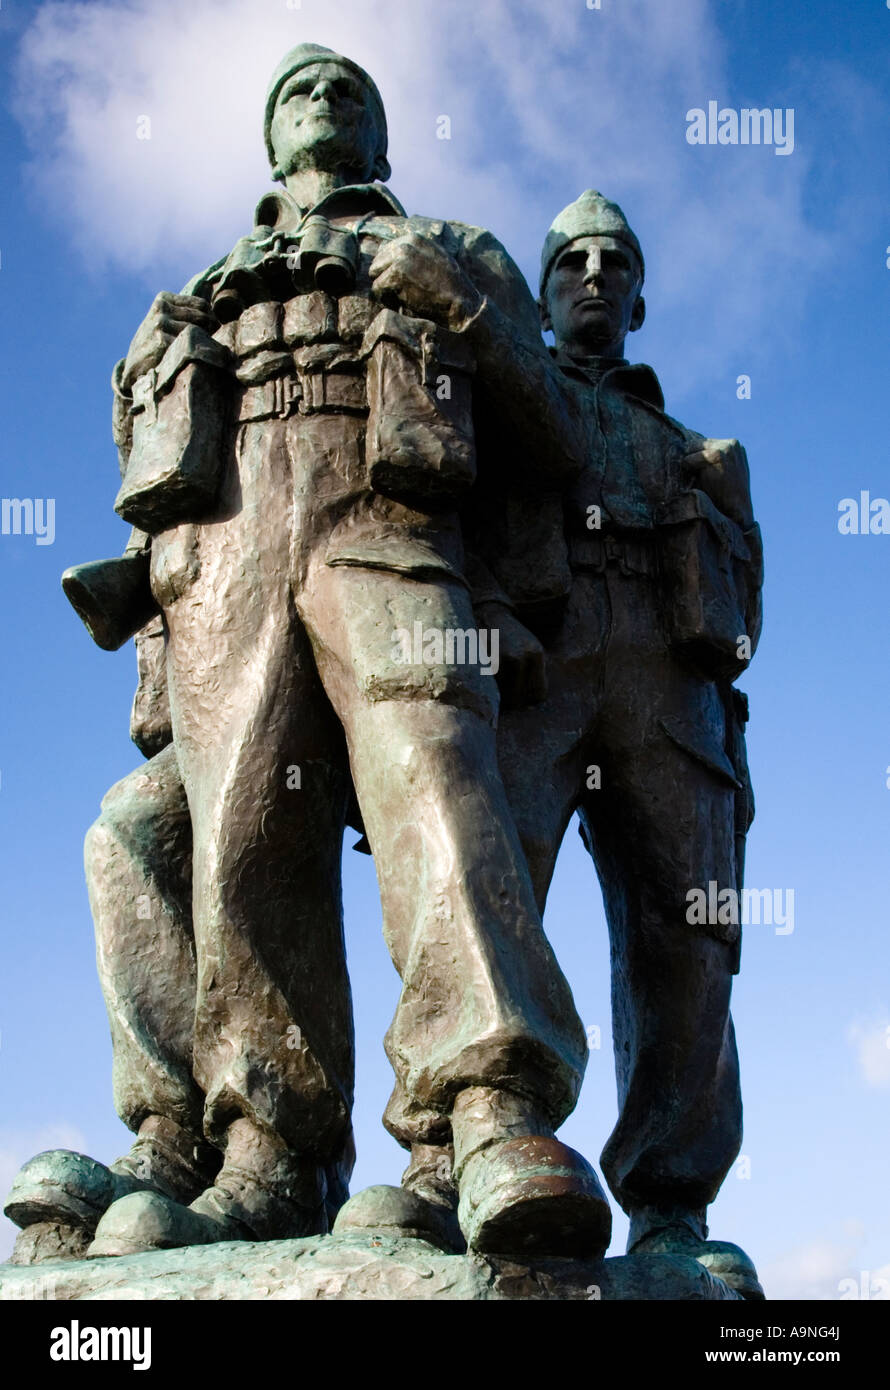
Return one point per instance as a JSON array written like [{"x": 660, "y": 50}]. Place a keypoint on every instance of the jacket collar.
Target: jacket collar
[
  {"x": 633, "y": 379},
  {"x": 280, "y": 211}
]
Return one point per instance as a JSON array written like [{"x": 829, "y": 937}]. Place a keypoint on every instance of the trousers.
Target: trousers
[
  {"x": 283, "y": 683},
  {"x": 637, "y": 744}
]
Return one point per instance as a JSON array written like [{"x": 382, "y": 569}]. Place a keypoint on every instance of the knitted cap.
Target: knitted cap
[
  {"x": 589, "y": 215},
  {"x": 304, "y": 56}
]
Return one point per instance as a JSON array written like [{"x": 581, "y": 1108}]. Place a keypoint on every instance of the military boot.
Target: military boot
[
  {"x": 683, "y": 1231},
  {"x": 423, "y": 1208},
  {"x": 59, "y": 1197},
  {"x": 523, "y": 1193},
  {"x": 264, "y": 1191}
]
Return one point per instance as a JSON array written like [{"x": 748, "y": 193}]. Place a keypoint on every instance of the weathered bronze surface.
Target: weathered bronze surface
[{"x": 396, "y": 565}]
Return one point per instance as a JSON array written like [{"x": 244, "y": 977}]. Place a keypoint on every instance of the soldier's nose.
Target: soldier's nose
[
  {"x": 323, "y": 89},
  {"x": 594, "y": 266}
]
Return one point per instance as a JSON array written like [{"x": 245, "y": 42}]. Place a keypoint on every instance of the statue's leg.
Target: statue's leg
[
  {"x": 138, "y": 858},
  {"x": 264, "y": 766},
  {"x": 542, "y": 761},
  {"x": 546, "y": 754},
  {"x": 273, "y": 1024},
  {"x": 138, "y": 867},
  {"x": 485, "y": 1030},
  {"x": 663, "y": 824},
  {"x": 548, "y": 751}
]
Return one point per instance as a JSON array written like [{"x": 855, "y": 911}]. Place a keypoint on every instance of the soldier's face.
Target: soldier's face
[
  {"x": 592, "y": 298},
  {"x": 325, "y": 119}
]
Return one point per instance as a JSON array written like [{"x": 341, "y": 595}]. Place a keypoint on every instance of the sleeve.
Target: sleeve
[
  {"x": 530, "y": 404},
  {"x": 204, "y": 283},
  {"x": 121, "y": 419}
]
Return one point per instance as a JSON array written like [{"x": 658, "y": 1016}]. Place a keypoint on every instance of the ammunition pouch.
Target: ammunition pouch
[
  {"x": 420, "y": 444},
  {"x": 180, "y": 413},
  {"x": 711, "y": 573}
]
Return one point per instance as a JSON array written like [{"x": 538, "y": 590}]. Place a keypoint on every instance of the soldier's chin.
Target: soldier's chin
[
  {"x": 328, "y": 151},
  {"x": 594, "y": 328}
]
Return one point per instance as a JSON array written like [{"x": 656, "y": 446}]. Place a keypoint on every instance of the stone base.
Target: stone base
[{"x": 357, "y": 1265}]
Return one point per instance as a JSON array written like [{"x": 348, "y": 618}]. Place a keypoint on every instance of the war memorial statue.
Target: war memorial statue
[{"x": 352, "y": 467}]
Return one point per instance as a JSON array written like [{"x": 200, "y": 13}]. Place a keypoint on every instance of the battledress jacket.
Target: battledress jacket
[{"x": 311, "y": 351}]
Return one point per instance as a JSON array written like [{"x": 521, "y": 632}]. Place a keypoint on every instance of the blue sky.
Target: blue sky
[{"x": 773, "y": 267}]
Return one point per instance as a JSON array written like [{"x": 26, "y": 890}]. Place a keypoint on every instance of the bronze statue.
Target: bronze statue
[
  {"x": 346, "y": 453},
  {"x": 641, "y": 731},
  {"x": 299, "y": 429},
  {"x": 643, "y": 734}
]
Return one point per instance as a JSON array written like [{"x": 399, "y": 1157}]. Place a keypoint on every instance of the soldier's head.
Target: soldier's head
[
  {"x": 592, "y": 272},
  {"x": 323, "y": 112}
]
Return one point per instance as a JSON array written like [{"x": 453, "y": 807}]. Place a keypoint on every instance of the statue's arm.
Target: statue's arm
[
  {"x": 522, "y": 669},
  {"x": 121, "y": 416},
  {"x": 463, "y": 279},
  {"x": 534, "y": 404}
]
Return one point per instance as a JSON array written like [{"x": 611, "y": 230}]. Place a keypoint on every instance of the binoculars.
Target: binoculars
[{"x": 328, "y": 260}]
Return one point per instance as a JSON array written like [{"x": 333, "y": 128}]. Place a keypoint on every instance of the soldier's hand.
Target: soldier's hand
[
  {"x": 425, "y": 278},
  {"x": 165, "y": 320},
  {"x": 522, "y": 661},
  {"x": 720, "y": 468}
]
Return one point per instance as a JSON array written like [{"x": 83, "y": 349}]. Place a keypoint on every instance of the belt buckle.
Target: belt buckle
[
  {"x": 286, "y": 391},
  {"x": 313, "y": 395}
]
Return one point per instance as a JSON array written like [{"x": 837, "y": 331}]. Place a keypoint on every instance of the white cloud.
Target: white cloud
[
  {"x": 16, "y": 1147},
  {"x": 199, "y": 72},
  {"x": 817, "y": 1269},
  {"x": 872, "y": 1043},
  {"x": 544, "y": 101}
]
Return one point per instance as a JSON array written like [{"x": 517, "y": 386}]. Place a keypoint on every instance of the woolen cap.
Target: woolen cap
[
  {"x": 589, "y": 215},
  {"x": 304, "y": 56}
]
